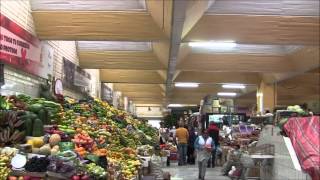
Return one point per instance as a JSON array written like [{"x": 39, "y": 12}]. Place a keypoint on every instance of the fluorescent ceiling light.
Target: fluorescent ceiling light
[
  {"x": 227, "y": 94},
  {"x": 233, "y": 86},
  {"x": 175, "y": 105},
  {"x": 214, "y": 44},
  {"x": 187, "y": 85},
  {"x": 181, "y": 105}
]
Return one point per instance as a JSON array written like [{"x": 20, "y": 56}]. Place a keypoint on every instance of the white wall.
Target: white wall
[
  {"x": 19, "y": 11},
  {"x": 148, "y": 111}
]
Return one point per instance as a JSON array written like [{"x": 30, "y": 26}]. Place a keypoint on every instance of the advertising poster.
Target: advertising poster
[
  {"x": 74, "y": 77},
  {"x": 1, "y": 74},
  {"x": 22, "y": 50}
]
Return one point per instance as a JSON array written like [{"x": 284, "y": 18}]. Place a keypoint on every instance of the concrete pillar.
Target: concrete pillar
[{"x": 266, "y": 97}]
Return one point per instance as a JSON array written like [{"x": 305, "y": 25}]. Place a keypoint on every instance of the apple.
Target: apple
[
  {"x": 75, "y": 177},
  {"x": 85, "y": 177}
]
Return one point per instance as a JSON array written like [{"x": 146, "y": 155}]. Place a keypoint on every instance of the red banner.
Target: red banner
[{"x": 22, "y": 50}]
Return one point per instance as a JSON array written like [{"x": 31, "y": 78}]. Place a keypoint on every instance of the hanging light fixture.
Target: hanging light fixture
[
  {"x": 187, "y": 85},
  {"x": 233, "y": 86},
  {"x": 231, "y": 94},
  {"x": 223, "y": 45}
]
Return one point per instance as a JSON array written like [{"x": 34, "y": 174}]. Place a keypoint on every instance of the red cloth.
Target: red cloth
[
  {"x": 304, "y": 133},
  {"x": 213, "y": 131}
]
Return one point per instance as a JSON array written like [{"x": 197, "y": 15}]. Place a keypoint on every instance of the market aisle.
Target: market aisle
[{"x": 190, "y": 172}]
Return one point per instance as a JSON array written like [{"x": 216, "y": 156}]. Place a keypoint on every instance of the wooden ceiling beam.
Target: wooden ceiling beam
[
  {"x": 161, "y": 50},
  {"x": 218, "y": 77},
  {"x": 130, "y": 76},
  {"x": 184, "y": 51},
  {"x": 161, "y": 12},
  {"x": 236, "y": 63},
  {"x": 256, "y": 29},
  {"x": 140, "y": 60},
  {"x": 194, "y": 12},
  {"x": 143, "y": 94},
  {"x": 306, "y": 59},
  {"x": 127, "y": 87},
  {"x": 96, "y": 25}
]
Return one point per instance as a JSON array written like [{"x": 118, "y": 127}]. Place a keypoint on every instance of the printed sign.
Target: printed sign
[
  {"x": 1, "y": 74},
  {"x": 22, "y": 50},
  {"x": 74, "y": 77}
]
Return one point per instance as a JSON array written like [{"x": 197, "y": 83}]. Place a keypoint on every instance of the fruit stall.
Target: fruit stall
[{"x": 77, "y": 140}]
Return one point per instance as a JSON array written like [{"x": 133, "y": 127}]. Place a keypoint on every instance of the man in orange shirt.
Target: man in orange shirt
[{"x": 182, "y": 136}]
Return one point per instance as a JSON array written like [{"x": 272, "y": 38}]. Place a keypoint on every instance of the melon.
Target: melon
[
  {"x": 54, "y": 151},
  {"x": 36, "y": 142},
  {"x": 54, "y": 139},
  {"x": 35, "y": 150},
  {"x": 45, "y": 150}
]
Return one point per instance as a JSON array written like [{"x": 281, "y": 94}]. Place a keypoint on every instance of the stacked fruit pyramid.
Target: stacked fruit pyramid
[{"x": 92, "y": 130}]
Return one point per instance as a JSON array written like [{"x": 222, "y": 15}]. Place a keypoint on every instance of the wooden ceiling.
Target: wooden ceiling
[
  {"x": 257, "y": 29},
  {"x": 129, "y": 41},
  {"x": 96, "y": 25},
  {"x": 120, "y": 60}
]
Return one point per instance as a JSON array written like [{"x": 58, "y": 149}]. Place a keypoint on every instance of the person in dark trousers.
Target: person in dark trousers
[
  {"x": 190, "y": 151},
  {"x": 213, "y": 132},
  {"x": 182, "y": 136}
]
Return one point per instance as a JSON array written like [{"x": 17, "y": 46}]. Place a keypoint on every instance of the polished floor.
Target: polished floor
[{"x": 190, "y": 172}]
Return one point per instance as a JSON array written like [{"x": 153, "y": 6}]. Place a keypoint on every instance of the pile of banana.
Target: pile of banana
[
  {"x": 4, "y": 169},
  {"x": 11, "y": 127}
]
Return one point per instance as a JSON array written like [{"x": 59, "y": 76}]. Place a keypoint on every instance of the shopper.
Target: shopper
[
  {"x": 213, "y": 131},
  {"x": 173, "y": 130},
  {"x": 182, "y": 137},
  {"x": 162, "y": 134},
  {"x": 190, "y": 152},
  {"x": 233, "y": 160},
  {"x": 203, "y": 146}
]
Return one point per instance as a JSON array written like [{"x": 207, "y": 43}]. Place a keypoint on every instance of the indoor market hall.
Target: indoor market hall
[{"x": 159, "y": 90}]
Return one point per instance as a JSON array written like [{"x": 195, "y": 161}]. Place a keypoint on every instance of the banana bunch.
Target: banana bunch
[
  {"x": 4, "y": 170},
  {"x": 11, "y": 129}
]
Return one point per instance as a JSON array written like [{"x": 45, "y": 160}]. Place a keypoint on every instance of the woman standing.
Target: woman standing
[{"x": 204, "y": 146}]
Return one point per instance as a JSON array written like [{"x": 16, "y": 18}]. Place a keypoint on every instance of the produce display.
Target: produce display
[
  {"x": 36, "y": 164},
  {"x": 91, "y": 139},
  {"x": 296, "y": 108},
  {"x": 11, "y": 127}
]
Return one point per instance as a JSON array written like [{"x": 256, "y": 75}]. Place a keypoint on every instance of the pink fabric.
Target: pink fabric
[{"x": 304, "y": 133}]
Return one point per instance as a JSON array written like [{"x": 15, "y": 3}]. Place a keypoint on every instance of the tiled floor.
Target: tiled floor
[{"x": 190, "y": 172}]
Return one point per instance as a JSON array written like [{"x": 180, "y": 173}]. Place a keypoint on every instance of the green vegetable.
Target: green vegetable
[
  {"x": 28, "y": 125},
  {"x": 51, "y": 104},
  {"x": 37, "y": 128},
  {"x": 92, "y": 158},
  {"x": 3, "y": 103},
  {"x": 35, "y": 107},
  {"x": 43, "y": 115}
]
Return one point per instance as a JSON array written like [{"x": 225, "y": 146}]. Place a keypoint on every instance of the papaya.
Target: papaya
[
  {"x": 43, "y": 116},
  {"x": 37, "y": 128},
  {"x": 28, "y": 125},
  {"x": 35, "y": 107},
  {"x": 29, "y": 115}
]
